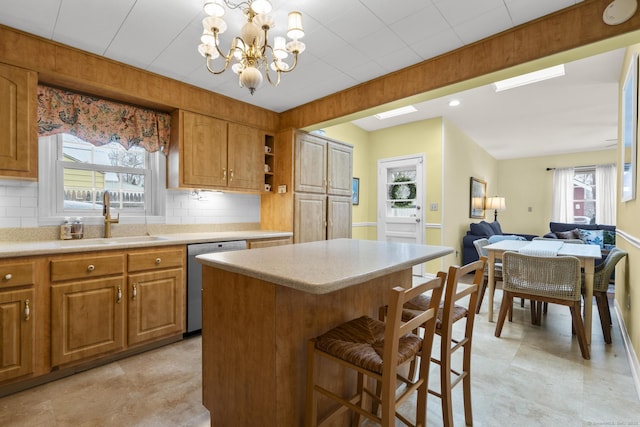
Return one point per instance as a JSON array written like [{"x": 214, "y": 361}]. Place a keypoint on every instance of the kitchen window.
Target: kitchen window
[{"x": 80, "y": 172}]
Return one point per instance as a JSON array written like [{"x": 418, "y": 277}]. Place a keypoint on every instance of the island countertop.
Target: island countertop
[{"x": 324, "y": 266}]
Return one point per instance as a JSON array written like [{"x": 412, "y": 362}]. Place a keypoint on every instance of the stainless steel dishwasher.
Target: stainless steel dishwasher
[{"x": 194, "y": 278}]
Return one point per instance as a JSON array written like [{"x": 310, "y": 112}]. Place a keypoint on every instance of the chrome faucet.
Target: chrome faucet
[{"x": 106, "y": 208}]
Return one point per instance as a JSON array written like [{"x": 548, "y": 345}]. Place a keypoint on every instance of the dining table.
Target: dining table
[{"x": 586, "y": 253}]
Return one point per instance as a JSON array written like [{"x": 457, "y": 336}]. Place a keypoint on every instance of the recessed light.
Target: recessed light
[
  {"x": 525, "y": 79},
  {"x": 397, "y": 112},
  {"x": 454, "y": 103}
]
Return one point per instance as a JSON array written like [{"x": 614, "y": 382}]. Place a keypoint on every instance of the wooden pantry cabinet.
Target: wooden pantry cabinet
[
  {"x": 209, "y": 153},
  {"x": 320, "y": 172},
  {"x": 18, "y": 123},
  {"x": 106, "y": 302}
]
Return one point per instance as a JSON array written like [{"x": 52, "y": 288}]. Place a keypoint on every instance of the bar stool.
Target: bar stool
[
  {"x": 376, "y": 350},
  {"x": 452, "y": 310}
]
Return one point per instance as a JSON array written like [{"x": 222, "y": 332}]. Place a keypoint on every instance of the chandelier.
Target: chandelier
[{"x": 251, "y": 52}]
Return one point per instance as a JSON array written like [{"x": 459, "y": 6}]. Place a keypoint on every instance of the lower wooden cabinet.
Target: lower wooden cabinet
[
  {"x": 106, "y": 302},
  {"x": 155, "y": 305},
  {"x": 86, "y": 319},
  {"x": 16, "y": 333}
]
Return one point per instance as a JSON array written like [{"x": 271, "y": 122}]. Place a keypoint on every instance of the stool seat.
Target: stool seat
[
  {"x": 421, "y": 303},
  {"x": 361, "y": 343}
]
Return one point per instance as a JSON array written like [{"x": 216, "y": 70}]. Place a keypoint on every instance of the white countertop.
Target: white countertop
[
  {"x": 324, "y": 266},
  {"x": 51, "y": 247}
]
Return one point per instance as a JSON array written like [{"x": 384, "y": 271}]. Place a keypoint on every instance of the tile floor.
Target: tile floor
[{"x": 531, "y": 376}]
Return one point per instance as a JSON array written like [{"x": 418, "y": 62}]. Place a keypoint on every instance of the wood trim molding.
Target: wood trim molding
[{"x": 567, "y": 29}]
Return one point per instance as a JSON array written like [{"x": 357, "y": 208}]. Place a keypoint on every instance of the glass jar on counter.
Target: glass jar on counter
[
  {"x": 65, "y": 229},
  {"x": 77, "y": 228}
]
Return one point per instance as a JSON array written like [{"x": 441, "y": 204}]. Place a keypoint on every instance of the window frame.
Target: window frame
[{"x": 50, "y": 192}]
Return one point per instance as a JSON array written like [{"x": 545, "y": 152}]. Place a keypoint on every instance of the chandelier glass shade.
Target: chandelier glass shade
[{"x": 250, "y": 54}]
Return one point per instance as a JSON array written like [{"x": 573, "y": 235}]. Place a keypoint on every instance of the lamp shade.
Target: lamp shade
[{"x": 495, "y": 203}]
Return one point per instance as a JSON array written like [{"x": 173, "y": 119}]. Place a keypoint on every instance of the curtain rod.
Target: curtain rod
[{"x": 581, "y": 167}]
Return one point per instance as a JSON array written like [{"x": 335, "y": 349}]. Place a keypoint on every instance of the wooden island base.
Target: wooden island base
[{"x": 253, "y": 343}]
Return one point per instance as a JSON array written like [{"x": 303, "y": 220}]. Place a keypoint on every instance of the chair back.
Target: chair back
[
  {"x": 555, "y": 277},
  {"x": 480, "y": 244},
  {"x": 456, "y": 291},
  {"x": 605, "y": 269},
  {"x": 395, "y": 329}
]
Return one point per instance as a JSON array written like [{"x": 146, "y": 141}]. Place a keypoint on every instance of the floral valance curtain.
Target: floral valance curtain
[{"x": 99, "y": 121}]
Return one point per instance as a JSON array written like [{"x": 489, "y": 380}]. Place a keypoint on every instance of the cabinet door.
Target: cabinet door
[
  {"x": 18, "y": 116},
  {"x": 245, "y": 158},
  {"x": 339, "y": 169},
  {"x": 310, "y": 218},
  {"x": 16, "y": 333},
  {"x": 205, "y": 151},
  {"x": 156, "y": 305},
  {"x": 86, "y": 319},
  {"x": 311, "y": 164},
  {"x": 339, "y": 217}
]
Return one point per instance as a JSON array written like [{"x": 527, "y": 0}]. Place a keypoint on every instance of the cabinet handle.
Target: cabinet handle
[
  {"x": 8, "y": 276},
  {"x": 231, "y": 175},
  {"x": 27, "y": 309},
  {"x": 158, "y": 260},
  {"x": 119, "y": 295},
  {"x": 134, "y": 294},
  {"x": 224, "y": 173},
  {"x": 91, "y": 267}
]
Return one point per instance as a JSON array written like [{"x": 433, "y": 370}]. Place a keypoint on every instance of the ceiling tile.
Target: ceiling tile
[
  {"x": 484, "y": 25},
  {"x": 458, "y": 11},
  {"x": 522, "y": 11},
  {"x": 33, "y": 16}
]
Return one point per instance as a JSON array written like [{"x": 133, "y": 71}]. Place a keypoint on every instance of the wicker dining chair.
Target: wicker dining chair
[
  {"x": 377, "y": 350},
  {"x": 554, "y": 280},
  {"x": 601, "y": 278}
]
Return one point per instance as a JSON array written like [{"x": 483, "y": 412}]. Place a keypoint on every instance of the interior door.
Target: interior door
[{"x": 400, "y": 201}]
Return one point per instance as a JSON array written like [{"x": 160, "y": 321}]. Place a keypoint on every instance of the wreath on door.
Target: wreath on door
[{"x": 403, "y": 190}]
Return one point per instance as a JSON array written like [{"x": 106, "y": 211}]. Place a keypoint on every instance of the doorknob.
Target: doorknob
[{"x": 417, "y": 219}]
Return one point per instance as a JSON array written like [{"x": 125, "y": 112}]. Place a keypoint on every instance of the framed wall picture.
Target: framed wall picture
[
  {"x": 355, "y": 192},
  {"x": 477, "y": 197},
  {"x": 629, "y": 149}
]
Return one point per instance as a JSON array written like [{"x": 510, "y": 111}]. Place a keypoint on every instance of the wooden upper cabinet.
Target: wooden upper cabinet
[
  {"x": 339, "y": 169},
  {"x": 18, "y": 121},
  {"x": 245, "y": 157},
  {"x": 198, "y": 154},
  {"x": 311, "y": 164},
  {"x": 211, "y": 153}
]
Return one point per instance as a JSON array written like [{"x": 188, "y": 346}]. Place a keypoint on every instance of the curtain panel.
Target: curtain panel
[
  {"x": 101, "y": 122},
  {"x": 562, "y": 204}
]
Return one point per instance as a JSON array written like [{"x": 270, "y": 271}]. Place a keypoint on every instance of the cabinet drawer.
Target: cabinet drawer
[
  {"x": 16, "y": 274},
  {"x": 88, "y": 267},
  {"x": 153, "y": 260}
]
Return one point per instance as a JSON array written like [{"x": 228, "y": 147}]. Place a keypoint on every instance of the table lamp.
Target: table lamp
[{"x": 497, "y": 204}]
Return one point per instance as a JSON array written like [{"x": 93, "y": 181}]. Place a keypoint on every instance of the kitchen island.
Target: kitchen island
[{"x": 261, "y": 306}]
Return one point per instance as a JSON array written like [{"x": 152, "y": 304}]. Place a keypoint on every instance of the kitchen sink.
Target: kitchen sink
[
  {"x": 134, "y": 239},
  {"x": 75, "y": 243}
]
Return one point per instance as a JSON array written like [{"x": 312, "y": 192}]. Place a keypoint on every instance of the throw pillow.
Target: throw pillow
[
  {"x": 592, "y": 237},
  {"x": 481, "y": 229},
  {"x": 609, "y": 237},
  {"x": 495, "y": 226},
  {"x": 497, "y": 238},
  {"x": 571, "y": 234}
]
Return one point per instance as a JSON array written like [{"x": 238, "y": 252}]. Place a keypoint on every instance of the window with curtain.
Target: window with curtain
[
  {"x": 88, "y": 146},
  {"x": 585, "y": 195}
]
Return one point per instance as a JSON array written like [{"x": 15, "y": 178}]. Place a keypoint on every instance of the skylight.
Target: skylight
[
  {"x": 397, "y": 112},
  {"x": 525, "y": 79}
]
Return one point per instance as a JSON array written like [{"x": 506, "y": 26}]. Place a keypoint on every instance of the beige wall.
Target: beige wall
[
  {"x": 628, "y": 238},
  {"x": 526, "y": 183}
]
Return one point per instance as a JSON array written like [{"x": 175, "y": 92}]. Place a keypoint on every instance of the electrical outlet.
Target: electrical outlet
[
  {"x": 434, "y": 207},
  {"x": 282, "y": 189}
]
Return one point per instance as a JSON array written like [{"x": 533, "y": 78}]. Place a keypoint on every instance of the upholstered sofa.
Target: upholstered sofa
[
  {"x": 595, "y": 234},
  {"x": 488, "y": 230}
]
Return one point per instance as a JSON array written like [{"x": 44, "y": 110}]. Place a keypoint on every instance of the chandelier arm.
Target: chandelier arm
[
  {"x": 212, "y": 71},
  {"x": 292, "y": 67},
  {"x": 266, "y": 71},
  {"x": 232, "y": 5}
]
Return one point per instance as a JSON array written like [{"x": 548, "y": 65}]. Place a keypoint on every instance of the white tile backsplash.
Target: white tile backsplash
[{"x": 19, "y": 206}]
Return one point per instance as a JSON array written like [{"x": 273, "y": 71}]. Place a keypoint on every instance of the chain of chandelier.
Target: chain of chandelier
[{"x": 251, "y": 52}]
